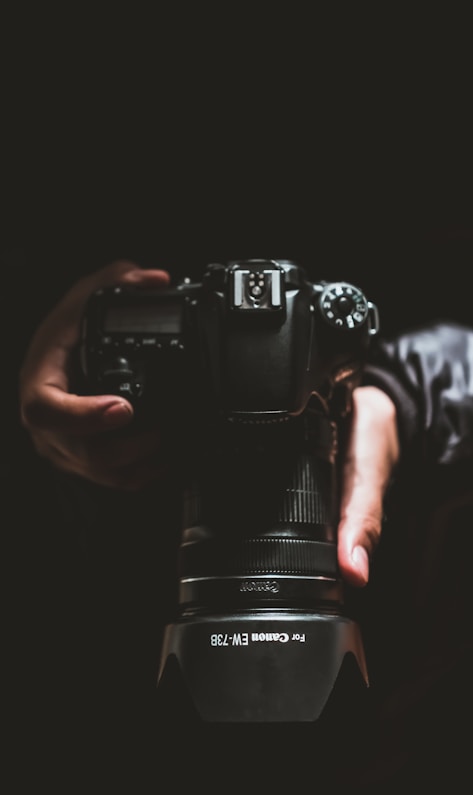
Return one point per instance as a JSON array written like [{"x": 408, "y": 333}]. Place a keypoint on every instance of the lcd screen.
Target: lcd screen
[{"x": 158, "y": 318}]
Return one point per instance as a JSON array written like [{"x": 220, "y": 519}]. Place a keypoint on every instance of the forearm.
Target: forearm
[{"x": 427, "y": 374}]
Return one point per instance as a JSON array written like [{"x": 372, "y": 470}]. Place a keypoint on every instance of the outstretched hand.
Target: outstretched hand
[{"x": 79, "y": 434}]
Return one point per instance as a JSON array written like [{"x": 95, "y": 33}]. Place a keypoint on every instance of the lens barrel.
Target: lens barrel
[{"x": 260, "y": 634}]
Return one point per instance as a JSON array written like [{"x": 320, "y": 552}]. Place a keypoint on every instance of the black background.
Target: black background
[{"x": 340, "y": 139}]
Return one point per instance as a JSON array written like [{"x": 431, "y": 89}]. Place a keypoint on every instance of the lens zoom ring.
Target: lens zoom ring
[
  {"x": 299, "y": 557},
  {"x": 301, "y": 506}
]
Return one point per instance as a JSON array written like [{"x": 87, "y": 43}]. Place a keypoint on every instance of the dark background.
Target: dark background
[{"x": 341, "y": 140}]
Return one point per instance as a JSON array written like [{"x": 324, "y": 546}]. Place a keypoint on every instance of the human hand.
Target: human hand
[
  {"x": 82, "y": 434},
  {"x": 371, "y": 455}
]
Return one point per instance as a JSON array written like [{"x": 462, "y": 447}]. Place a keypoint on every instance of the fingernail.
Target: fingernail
[
  {"x": 117, "y": 413},
  {"x": 360, "y": 558}
]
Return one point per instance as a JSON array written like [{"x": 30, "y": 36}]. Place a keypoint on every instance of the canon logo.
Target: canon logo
[{"x": 259, "y": 586}]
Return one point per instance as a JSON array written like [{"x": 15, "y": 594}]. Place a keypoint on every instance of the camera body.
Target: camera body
[
  {"x": 260, "y": 338},
  {"x": 250, "y": 373}
]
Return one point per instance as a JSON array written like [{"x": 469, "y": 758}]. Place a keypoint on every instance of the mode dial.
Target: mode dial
[{"x": 344, "y": 305}]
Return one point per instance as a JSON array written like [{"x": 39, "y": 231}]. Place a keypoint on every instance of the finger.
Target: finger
[
  {"x": 371, "y": 454},
  {"x": 68, "y": 312},
  {"x": 359, "y": 532},
  {"x": 115, "y": 450},
  {"x": 55, "y": 410},
  {"x": 125, "y": 461},
  {"x": 119, "y": 272},
  {"x": 130, "y": 477}
]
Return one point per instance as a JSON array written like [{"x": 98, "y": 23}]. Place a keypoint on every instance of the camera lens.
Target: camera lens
[{"x": 260, "y": 525}]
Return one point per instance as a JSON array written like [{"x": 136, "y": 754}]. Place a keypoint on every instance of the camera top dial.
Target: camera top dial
[{"x": 345, "y": 306}]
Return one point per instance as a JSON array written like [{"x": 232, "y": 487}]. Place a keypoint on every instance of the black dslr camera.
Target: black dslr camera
[{"x": 250, "y": 372}]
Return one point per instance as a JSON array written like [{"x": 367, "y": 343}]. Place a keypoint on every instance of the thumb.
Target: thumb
[
  {"x": 359, "y": 531},
  {"x": 371, "y": 455},
  {"x": 54, "y": 410}
]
